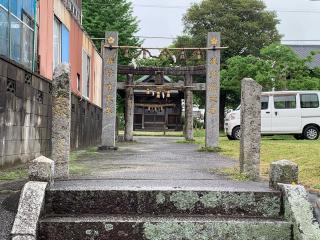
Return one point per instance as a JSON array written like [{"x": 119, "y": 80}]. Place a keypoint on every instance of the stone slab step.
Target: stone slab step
[
  {"x": 160, "y": 202},
  {"x": 161, "y": 228}
]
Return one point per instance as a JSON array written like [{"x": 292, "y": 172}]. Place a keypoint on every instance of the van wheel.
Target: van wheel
[
  {"x": 311, "y": 133},
  {"x": 236, "y": 133},
  {"x": 298, "y": 136},
  {"x": 230, "y": 137}
]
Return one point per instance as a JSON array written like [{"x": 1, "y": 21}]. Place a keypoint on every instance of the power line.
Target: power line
[
  {"x": 157, "y": 37},
  {"x": 145, "y": 37},
  {"x": 296, "y": 11},
  {"x": 284, "y": 40},
  {"x": 186, "y": 7},
  {"x": 160, "y": 6},
  {"x": 174, "y": 38},
  {"x": 142, "y": 5}
]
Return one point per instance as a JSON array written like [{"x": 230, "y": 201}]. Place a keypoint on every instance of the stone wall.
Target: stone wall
[
  {"x": 26, "y": 116},
  {"x": 85, "y": 123}
]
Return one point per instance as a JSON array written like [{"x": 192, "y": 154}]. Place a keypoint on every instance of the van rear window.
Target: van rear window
[
  {"x": 285, "y": 102},
  {"x": 264, "y": 103},
  {"x": 309, "y": 100}
]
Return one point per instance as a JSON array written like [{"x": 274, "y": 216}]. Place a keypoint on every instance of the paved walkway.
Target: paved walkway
[
  {"x": 160, "y": 162},
  {"x": 154, "y": 158}
]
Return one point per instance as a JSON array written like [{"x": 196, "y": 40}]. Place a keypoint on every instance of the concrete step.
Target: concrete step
[
  {"x": 263, "y": 204},
  {"x": 161, "y": 228}
]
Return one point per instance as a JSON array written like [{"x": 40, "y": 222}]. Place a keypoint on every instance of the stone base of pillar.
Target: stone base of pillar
[
  {"x": 107, "y": 148},
  {"x": 61, "y": 170}
]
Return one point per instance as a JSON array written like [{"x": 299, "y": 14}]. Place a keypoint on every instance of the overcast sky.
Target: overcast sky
[{"x": 163, "y": 18}]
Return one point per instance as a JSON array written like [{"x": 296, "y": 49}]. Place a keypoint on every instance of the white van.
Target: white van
[{"x": 285, "y": 112}]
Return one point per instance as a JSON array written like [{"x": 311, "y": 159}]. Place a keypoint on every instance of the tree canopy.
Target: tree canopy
[
  {"x": 100, "y": 16},
  {"x": 277, "y": 67},
  {"x": 245, "y": 25}
]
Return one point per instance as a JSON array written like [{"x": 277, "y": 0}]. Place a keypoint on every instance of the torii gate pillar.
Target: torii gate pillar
[
  {"x": 109, "y": 91},
  {"x": 129, "y": 110},
  {"x": 188, "y": 97},
  {"x": 213, "y": 91}
]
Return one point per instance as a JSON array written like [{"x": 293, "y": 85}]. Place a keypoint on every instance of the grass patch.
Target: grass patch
[
  {"x": 186, "y": 141},
  {"x": 232, "y": 173},
  {"x": 302, "y": 152},
  {"x": 157, "y": 134},
  {"x": 210, "y": 149},
  {"x": 90, "y": 152},
  {"x": 77, "y": 168},
  {"x": 13, "y": 174}
]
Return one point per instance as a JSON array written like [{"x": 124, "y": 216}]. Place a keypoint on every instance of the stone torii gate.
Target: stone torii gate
[
  {"x": 110, "y": 87},
  {"x": 187, "y": 87}
]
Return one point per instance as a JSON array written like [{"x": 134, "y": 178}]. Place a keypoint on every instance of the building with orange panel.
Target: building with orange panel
[{"x": 63, "y": 40}]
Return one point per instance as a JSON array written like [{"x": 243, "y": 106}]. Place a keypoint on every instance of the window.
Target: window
[
  {"x": 285, "y": 102},
  {"x": 16, "y": 7},
  {"x": 264, "y": 103},
  {"x": 65, "y": 44},
  {"x": 56, "y": 42},
  {"x": 15, "y": 38},
  {"x": 21, "y": 29},
  {"x": 28, "y": 7},
  {"x": 17, "y": 30},
  {"x": 86, "y": 74},
  {"x": 4, "y": 30},
  {"x": 5, "y": 3},
  {"x": 78, "y": 82},
  {"x": 61, "y": 43},
  {"x": 309, "y": 100},
  {"x": 27, "y": 42}
]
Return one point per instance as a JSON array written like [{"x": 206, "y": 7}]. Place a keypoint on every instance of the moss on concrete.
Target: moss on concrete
[
  {"x": 108, "y": 227},
  {"x": 92, "y": 233},
  {"x": 299, "y": 211},
  {"x": 160, "y": 198},
  {"x": 184, "y": 200},
  {"x": 217, "y": 230},
  {"x": 269, "y": 206},
  {"x": 212, "y": 199}
]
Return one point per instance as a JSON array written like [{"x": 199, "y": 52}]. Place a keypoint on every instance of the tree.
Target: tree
[
  {"x": 278, "y": 67},
  {"x": 245, "y": 25},
  {"x": 100, "y": 16}
]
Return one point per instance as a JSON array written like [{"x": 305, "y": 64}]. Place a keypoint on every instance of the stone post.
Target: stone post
[
  {"x": 299, "y": 211},
  {"x": 213, "y": 91},
  {"x": 129, "y": 110},
  {"x": 283, "y": 171},
  {"x": 61, "y": 120},
  {"x": 250, "y": 128},
  {"x": 42, "y": 169},
  {"x": 110, "y": 71},
  {"x": 31, "y": 202},
  {"x": 188, "y": 96}
]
